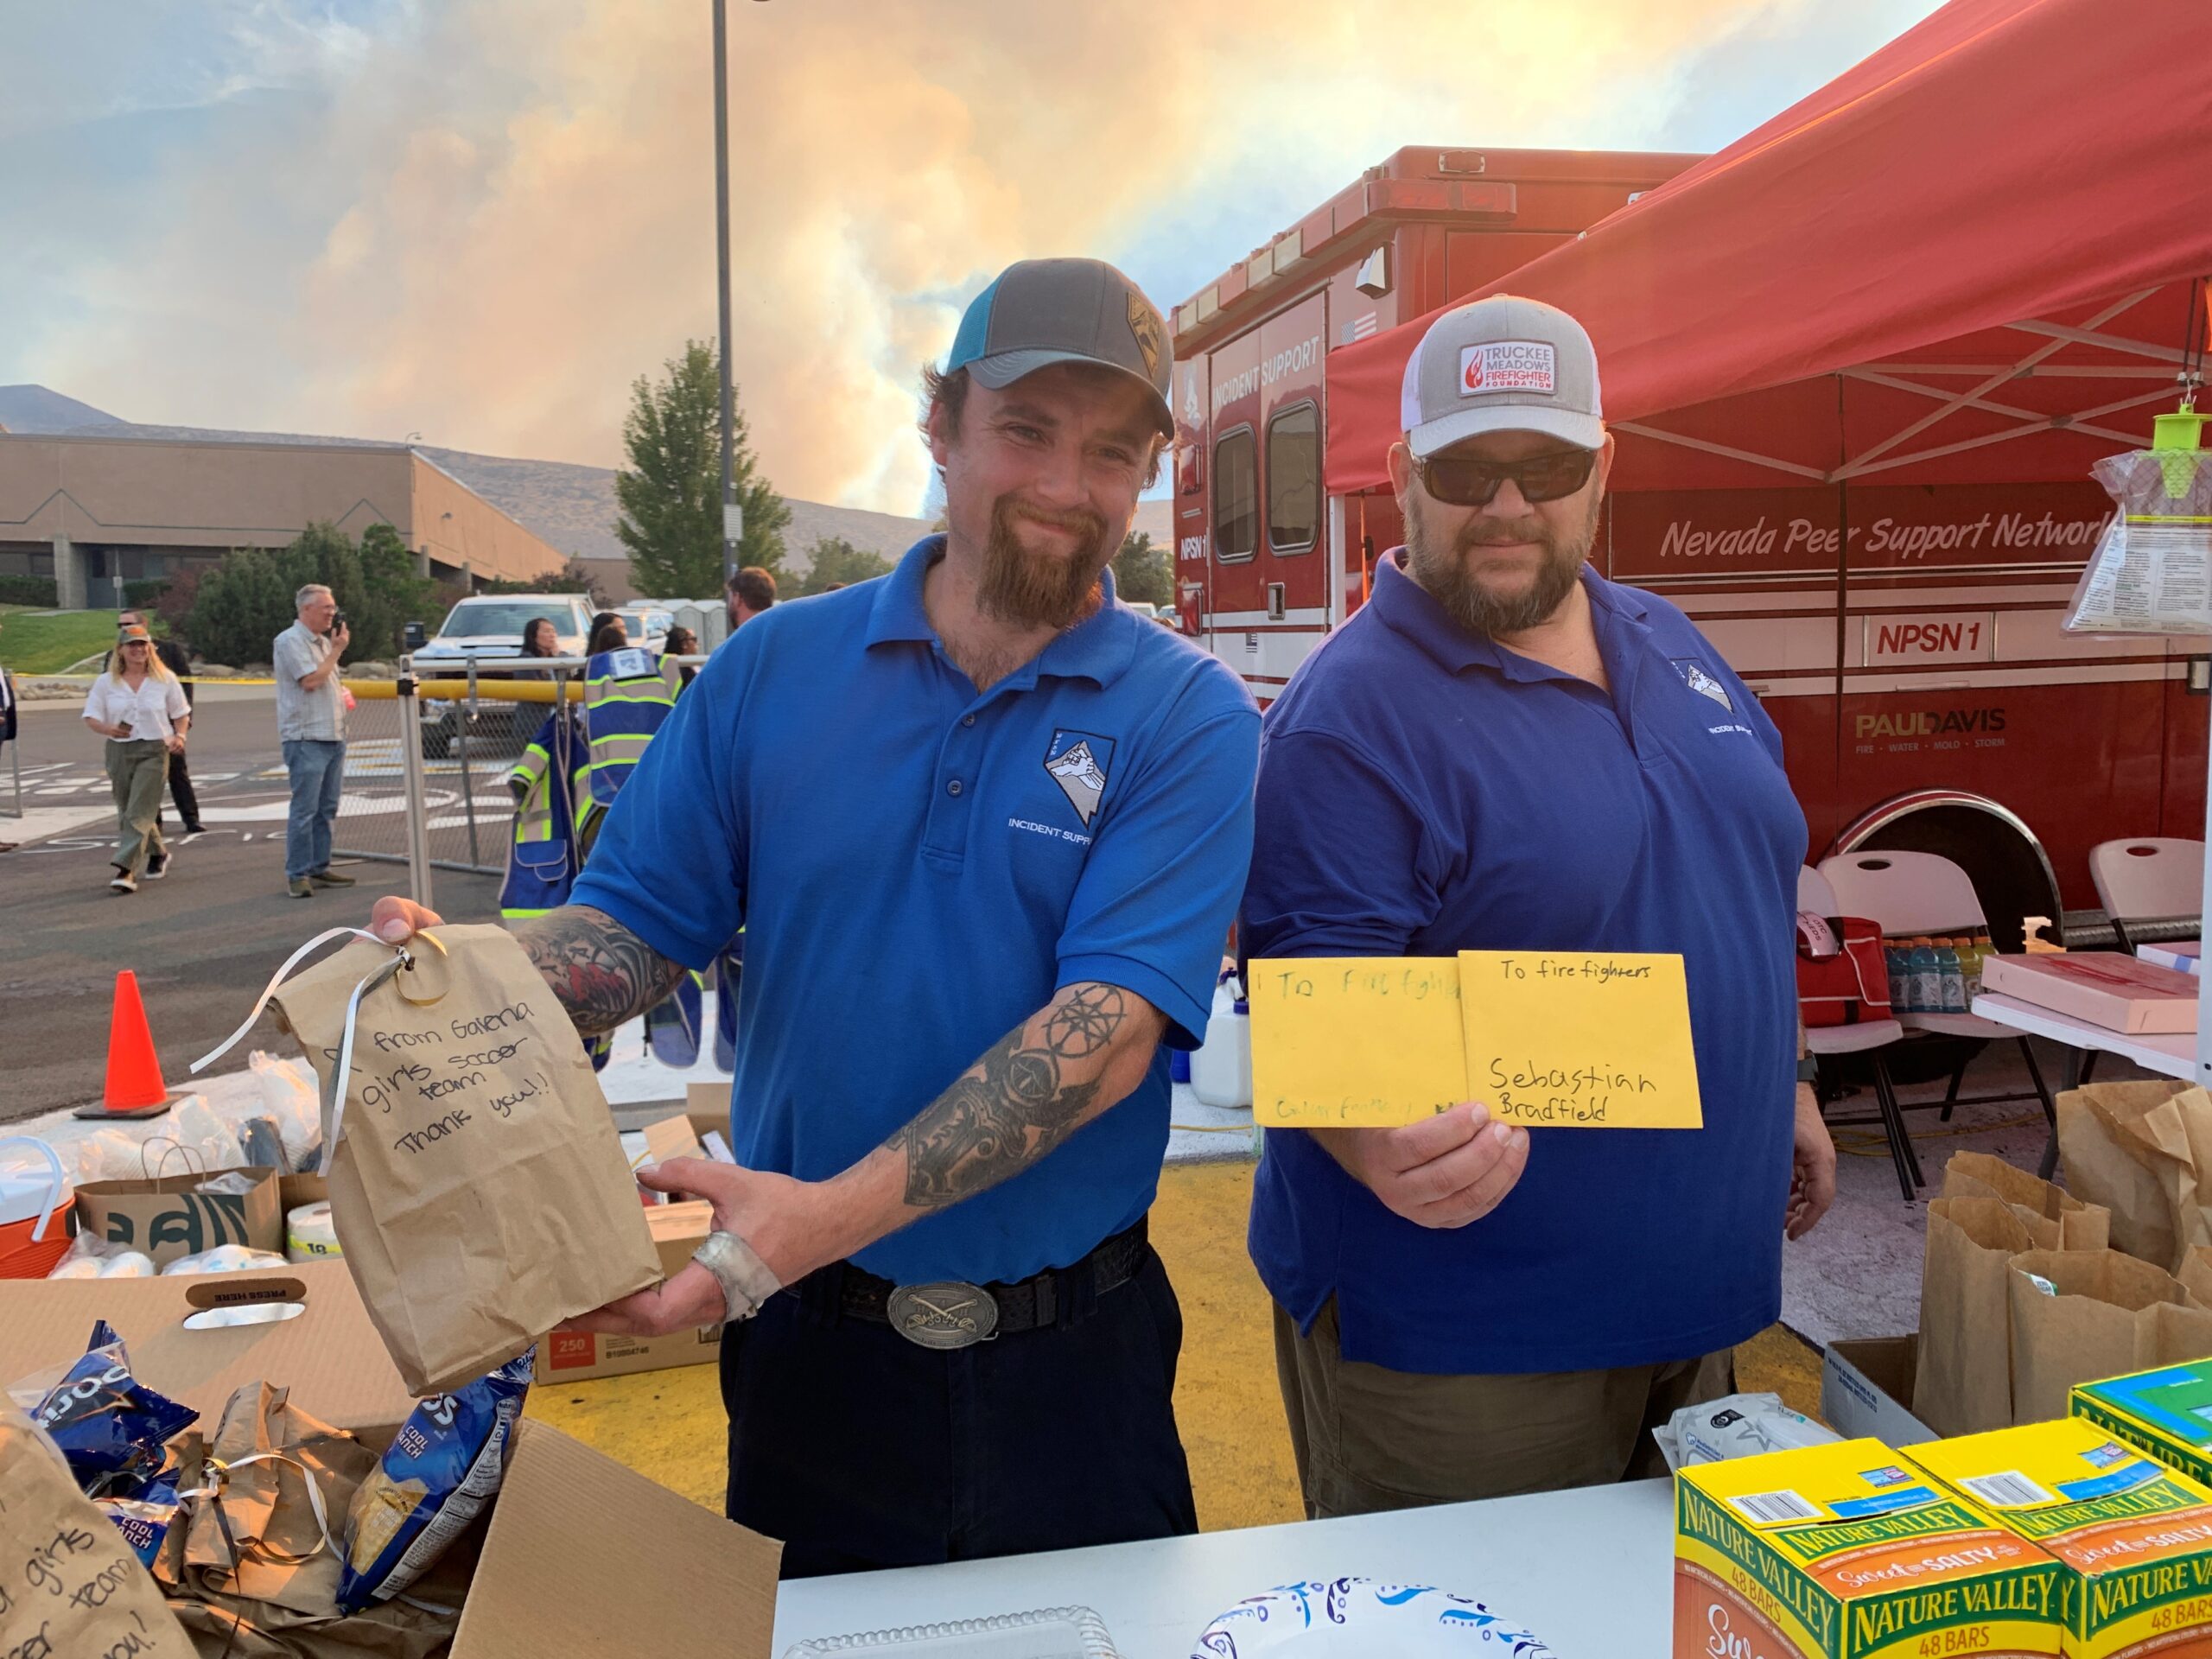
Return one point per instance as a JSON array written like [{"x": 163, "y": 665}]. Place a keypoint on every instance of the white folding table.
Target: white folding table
[
  {"x": 1589, "y": 1571},
  {"x": 2174, "y": 1056}
]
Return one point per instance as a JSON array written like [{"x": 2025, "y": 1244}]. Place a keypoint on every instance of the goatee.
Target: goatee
[
  {"x": 1029, "y": 589},
  {"x": 1445, "y": 572}
]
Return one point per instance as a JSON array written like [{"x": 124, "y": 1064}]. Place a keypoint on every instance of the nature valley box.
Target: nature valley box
[
  {"x": 1846, "y": 1551},
  {"x": 2167, "y": 1412},
  {"x": 2132, "y": 1538}
]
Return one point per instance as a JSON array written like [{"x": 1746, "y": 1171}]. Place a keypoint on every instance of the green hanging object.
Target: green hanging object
[{"x": 2177, "y": 440}]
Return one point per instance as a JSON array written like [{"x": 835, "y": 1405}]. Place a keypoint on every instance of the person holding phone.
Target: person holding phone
[
  {"x": 311, "y": 725},
  {"x": 139, "y": 708}
]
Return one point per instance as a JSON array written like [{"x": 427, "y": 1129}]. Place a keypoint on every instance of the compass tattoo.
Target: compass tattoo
[{"x": 1023, "y": 1099}]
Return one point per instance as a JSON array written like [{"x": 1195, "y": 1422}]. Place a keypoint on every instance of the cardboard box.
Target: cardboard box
[
  {"x": 2100, "y": 987},
  {"x": 678, "y": 1230},
  {"x": 2132, "y": 1538},
  {"x": 2184, "y": 955},
  {"x": 165, "y": 1218},
  {"x": 1866, "y": 1390},
  {"x": 2167, "y": 1412},
  {"x": 1846, "y": 1551},
  {"x": 581, "y": 1555},
  {"x": 570, "y": 1356}
]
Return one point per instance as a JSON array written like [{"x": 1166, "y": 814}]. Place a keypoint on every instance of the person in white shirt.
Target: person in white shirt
[
  {"x": 311, "y": 725},
  {"x": 139, "y": 708}
]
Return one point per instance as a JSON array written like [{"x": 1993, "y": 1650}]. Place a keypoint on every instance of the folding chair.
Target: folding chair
[
  {"x": 2152, "y": 886},
  {"x": 1868, "y": 1037},
  {"x": 1919, "y": 893}
]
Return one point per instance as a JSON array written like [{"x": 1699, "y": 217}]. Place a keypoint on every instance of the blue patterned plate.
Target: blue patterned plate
[{"x": 1320, "y": 1619}]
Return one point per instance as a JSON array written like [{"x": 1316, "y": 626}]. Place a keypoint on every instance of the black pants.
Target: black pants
[
  {"x": 188, "y": 803},
  {"x": 860, "y": 1450}
]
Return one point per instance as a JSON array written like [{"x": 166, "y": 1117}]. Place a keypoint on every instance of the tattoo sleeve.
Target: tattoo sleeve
[
  {"x": 1034, "y": 1087},
  {"x": 601, "y": 972}
]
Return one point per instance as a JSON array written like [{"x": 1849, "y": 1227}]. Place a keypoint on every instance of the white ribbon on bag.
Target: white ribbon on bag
[{"x": 333, "y": 1089}]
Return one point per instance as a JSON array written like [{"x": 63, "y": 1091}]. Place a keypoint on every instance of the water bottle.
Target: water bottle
[
  {"x": 1927, "y": 977},
  {"x": 1953, "y": 970},
  {"x": 1898, "y": 955},
  {"x": 1982, "y": 949},
  {"x": 1221, "y": 1069}
]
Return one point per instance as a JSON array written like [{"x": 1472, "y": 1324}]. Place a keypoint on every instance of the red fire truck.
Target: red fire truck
[{"x": 1898, "y": 612}]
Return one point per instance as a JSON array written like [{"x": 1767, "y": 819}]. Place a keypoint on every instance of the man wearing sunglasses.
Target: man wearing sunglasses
[{"x": 1503, "y": 750}]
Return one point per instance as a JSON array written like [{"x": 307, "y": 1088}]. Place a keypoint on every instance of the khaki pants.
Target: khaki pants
[
  {"x": 1368, "y": 1439},
  {"x": 137, "y": 767}
]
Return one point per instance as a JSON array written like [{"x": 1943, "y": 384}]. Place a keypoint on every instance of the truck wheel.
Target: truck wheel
[{"x": 437, "y": 742}]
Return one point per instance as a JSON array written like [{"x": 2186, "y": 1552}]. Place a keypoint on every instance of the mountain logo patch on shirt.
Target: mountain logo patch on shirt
[
  {"x": 1695, "y": 678},
  {"x": 1078, "y": 763}
]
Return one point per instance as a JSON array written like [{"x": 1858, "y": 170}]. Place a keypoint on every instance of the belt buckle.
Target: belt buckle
[{"x": 944, "y": 1315}]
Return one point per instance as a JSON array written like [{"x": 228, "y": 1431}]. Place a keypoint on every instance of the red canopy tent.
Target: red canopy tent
[{"x": 1967, "y": 259}]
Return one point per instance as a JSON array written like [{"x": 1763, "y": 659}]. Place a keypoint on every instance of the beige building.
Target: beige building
[{"x": 95, "y": 511}]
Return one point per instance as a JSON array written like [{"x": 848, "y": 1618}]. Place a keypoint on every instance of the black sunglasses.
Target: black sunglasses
[{"x": 1468, "y": 482}]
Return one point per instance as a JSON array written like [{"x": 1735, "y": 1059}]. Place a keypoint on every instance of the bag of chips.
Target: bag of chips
[
  {"x": 441, "y": 1468},
  {"x": 111, "y": 1427}
]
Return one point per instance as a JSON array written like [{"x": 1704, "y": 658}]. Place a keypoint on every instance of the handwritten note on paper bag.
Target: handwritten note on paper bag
[
  {"x": 70, "y": 1587},
  {"x": 1580, "y": 1039},
  {"x": 1345, "y": 1042},
  {"x": 479, "y": 1189}
]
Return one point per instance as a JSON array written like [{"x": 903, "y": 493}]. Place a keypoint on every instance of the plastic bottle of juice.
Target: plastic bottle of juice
[
  {"x": 1927, "y": 976},
  {"x": 1898, "y": 953},
  {"x": 1952, "y": 968},
  {"x": 1983, "y": 950}
]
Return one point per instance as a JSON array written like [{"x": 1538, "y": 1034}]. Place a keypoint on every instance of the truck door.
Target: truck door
[{"x": 1235, "y": 596}]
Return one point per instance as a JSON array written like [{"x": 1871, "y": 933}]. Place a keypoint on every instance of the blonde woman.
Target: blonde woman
[{"x": 139, "y": 707}]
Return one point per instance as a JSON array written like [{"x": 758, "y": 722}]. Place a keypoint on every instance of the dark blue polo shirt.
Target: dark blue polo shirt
[
  {"x": 1424, "y": 790},
  {"x": 918, "y": 867}
]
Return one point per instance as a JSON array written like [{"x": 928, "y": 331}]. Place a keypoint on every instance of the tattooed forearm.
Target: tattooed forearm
[
  {"x": 602, "y": 973},
  {"x": 1037, "y": 1086}
]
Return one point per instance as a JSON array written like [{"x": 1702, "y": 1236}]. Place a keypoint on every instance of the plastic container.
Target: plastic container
[
  {"x": 1055, "y": 1633},
  {"x": 1927, "y": 977},
  {"x": 1221, "y": 1068},
  {"x": 35, "y": 1204},
  {"x": 1951, "y": 969},
  {"x": 1898, "y": 955}
]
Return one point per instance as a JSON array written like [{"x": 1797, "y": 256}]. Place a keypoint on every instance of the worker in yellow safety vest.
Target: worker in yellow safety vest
[{"x": 628, "y": 697}]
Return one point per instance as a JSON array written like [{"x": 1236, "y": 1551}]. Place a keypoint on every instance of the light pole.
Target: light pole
[{"x": 733, "y": 516}]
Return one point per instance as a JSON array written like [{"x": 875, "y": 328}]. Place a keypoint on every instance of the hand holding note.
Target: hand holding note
[{"x": 1441, "y": 1172}]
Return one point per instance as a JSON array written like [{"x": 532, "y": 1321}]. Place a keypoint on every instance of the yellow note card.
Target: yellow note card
[
  {"x": 1346, "y": 1042},
  {"x": 1578, "y": 1039}
]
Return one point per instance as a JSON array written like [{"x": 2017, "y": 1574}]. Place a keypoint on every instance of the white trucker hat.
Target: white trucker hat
[{"x": 1502, "y": 364}]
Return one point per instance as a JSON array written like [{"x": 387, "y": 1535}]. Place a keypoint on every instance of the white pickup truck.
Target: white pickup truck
[{"x": 487, "y": 630}]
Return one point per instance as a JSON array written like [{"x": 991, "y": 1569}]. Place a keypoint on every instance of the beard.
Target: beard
[
  {"x": 1040, "y": 590},
  {"x": 1474, "y": 605}
]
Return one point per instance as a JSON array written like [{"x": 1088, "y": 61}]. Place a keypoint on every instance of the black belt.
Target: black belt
[{"x": 951, "y": 1313}]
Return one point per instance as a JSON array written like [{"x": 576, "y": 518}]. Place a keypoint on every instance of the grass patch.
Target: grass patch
[{"x": 46, "y": 642}]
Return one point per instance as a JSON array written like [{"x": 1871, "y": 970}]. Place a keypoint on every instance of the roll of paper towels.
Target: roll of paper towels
[{"x": 308, "y": 1235}]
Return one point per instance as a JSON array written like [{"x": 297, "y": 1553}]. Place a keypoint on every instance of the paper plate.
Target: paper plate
[{"x": 1333, "y": 1618}]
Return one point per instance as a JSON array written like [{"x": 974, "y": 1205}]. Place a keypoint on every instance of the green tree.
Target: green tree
[
  {"x": 1142, "y": 571},
  {"x": 574, "y": 576},
  {"x": 239, "y": 608},
  {"x": 836, "y": 559},
  {"x": 670, "y": 494}
]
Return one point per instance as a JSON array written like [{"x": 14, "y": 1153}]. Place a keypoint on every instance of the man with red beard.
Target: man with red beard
[
  {"x": 984, "y": 827},
  {"x": 1503, "y": 750}
]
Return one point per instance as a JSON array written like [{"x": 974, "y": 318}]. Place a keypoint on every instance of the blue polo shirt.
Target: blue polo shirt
[
  {"x": 1424, "y": 790},
  {"x": 918, "y": 866}
]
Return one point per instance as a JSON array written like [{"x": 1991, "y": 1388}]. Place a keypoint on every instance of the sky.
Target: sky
[{"x": 481, "y": 220}]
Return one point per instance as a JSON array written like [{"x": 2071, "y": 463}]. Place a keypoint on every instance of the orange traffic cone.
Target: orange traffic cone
[{"x": 135, "y": 1088}]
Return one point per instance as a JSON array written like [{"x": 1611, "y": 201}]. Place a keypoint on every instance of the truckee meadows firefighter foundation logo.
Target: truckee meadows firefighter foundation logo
[{"x": 1907, "y": 728}]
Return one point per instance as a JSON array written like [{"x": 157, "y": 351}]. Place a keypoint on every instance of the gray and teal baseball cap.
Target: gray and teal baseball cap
[
  {"x": 1039, "y": 312},
  {"x": 1502, "y": 364}
]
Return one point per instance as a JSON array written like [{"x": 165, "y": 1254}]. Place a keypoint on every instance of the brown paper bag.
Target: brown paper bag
[
  {"x": 267, "y": 1544},
  {"x": 2112, "y": 1314},
  {"x": 1964, "y": 1380},
  {"x": 2055, "y": 1218},
  {"x": 2172, "y": 1138},
  {"x": 69, "y": 1585},
  {"x": 2106, "y": 1162},
  {"x": 477, "y": 1185}
]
